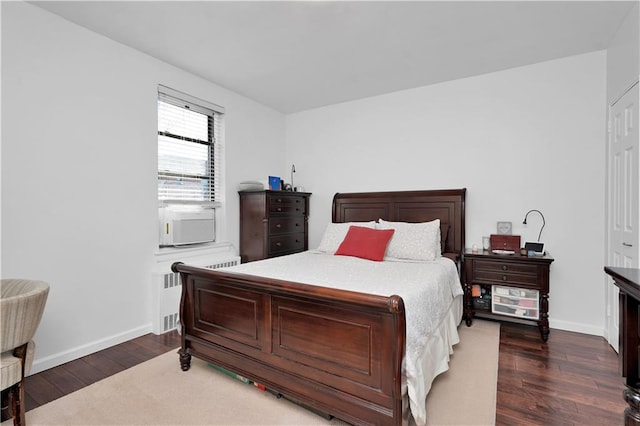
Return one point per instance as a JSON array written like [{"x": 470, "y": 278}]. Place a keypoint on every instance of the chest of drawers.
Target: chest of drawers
[
  {"x": 516, "y": 286},
  {"x": 273, "y": 223}
]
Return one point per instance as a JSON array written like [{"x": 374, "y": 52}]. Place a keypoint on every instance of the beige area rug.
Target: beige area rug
[
  {"x": 466, "y": 393},
  {"x": 157, "y": 392}
]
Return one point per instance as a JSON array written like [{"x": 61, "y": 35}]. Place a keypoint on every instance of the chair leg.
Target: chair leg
[
  {"x": 17, "y": 392},
  {"x": 6, "y": 405},
  {"x": 16, "y": 395}
]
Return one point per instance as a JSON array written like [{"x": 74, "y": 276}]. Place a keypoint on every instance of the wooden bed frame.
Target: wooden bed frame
[{"x": 334, "y": 351}]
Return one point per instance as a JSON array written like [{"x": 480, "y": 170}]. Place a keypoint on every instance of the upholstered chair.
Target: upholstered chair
[{"x": 21, "y": 306}]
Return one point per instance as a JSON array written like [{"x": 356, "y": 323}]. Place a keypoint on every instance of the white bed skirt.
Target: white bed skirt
[{"x": 434, "y": 361}]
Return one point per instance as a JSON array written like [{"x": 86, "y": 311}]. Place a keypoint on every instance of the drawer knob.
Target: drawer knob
[
  {"x": 278, "y": 244},
  {"x": 278, "y": 226},
  {"x": 279, "y": 200},
  {"x": 297, "y": 209},
  {"x": 504, "y": 278},
  {"x": 504, "y": 267},
  {"x": 279, "y": 209}
]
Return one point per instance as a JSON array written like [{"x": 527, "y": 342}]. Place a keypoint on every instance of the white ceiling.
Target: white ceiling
[{"x": 298, "y": 55}]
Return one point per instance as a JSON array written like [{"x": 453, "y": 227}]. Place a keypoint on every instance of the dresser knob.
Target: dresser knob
[
  {"x": 504, "y": 278},
  {"x": 278, "y": 226},
  {"x": 279, "y": 209},
  {"x": 279, "y": 200},
  {"x": 278, "y": 244},
  {"x": 504, "y": 267}
]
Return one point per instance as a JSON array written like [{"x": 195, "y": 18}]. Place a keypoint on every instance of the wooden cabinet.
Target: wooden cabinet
[
  {"x": 628, "y": 281},
  {"x": 273, "y": 223},
  {"x": 508, "y": 288}
]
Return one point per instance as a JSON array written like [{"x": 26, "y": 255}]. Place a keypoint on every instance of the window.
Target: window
[{"x": 189, "y": 148}]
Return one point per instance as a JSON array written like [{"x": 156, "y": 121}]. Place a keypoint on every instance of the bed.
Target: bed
[{"x": 336, "y": 350}]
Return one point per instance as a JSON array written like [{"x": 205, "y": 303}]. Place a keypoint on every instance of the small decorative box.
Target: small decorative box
[{"x": 505, "y": 242}]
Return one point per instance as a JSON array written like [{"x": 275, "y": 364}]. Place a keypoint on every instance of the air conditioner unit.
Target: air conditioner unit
[{"x": 182, "y": 225}]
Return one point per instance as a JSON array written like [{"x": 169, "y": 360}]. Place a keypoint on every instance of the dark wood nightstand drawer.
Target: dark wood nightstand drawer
[
  {"x": 287, "y": 242},
  {"x": 287, "y": 204},
  {"x": 523, "y": 280},
  {"x": 284, "y": 225},
  {"x": 505, "y": 267}
]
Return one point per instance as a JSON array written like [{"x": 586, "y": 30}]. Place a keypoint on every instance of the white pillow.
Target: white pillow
[
  {"x": 334, "y": 234},
  {"x": 413, "y": 241}
]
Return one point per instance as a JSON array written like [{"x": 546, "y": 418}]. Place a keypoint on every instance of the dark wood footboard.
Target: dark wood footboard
[{"x": 335, "y": 351}]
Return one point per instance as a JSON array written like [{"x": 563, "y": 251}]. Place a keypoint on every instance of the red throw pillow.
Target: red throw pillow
[{"x": 366, "y": 243}]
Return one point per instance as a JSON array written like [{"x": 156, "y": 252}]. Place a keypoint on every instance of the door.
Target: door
[{"x": 623, "y": 197}]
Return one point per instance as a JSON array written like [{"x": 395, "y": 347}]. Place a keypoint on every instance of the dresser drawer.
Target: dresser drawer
[
  {"x": 285, "y": 225},
  {"x": 285, "y": 243},
  {"x": 287, "y": 204},
  {"x": 505, "y": 267}
]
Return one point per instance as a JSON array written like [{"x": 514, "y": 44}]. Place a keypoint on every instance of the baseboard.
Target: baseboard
[
  {"x": 41, "y": 364},
  {"x": 577, "y": 327}
]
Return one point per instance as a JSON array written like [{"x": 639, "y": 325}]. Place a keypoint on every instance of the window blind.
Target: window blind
[{"x": 189, "y": 149}]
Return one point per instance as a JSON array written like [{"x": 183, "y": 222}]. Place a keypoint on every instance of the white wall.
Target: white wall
[
  {"x": 525, "y": 138},
  {"x": 79, "y": 162},
  {"x": 623, "y": 57}
]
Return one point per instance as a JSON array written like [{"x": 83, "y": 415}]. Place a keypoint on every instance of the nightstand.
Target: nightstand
[{"x": 514, "y": 288}]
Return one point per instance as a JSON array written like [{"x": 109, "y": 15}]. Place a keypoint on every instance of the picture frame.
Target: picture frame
[
  {"x": 504, "y": 228},
  {"x": 275, "y": 183}
]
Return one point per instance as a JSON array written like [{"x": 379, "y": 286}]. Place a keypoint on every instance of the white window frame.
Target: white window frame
[{"x": 216, "y": 113}]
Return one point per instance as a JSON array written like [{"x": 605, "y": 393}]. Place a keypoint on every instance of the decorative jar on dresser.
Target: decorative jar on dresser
[
  {"x": 273, "y": 223},
  {"x": 511, "y": 288}
]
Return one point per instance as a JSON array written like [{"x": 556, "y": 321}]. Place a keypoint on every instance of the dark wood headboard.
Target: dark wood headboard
[{"x": 407, "y": 206}]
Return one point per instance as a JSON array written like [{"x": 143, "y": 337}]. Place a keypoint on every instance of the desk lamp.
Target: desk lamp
[{"x": 537, "y": 248}]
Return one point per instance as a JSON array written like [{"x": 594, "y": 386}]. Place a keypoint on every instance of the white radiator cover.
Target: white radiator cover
[{"x": 167, "y": 289}]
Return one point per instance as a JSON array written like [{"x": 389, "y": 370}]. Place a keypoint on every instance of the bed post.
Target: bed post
[
  {"x": 185, "y": 357},
  {"x": 396, "y": 306}
]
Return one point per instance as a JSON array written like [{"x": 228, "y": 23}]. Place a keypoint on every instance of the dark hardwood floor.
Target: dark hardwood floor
[
  {"x": 56, "y": 382},
  {"x": 573, "y": 379}
]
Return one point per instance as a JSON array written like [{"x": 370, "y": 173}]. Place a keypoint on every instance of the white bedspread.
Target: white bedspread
[{"x": 428, "y": 290}]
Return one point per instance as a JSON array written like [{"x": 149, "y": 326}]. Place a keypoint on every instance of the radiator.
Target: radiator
[{"x": 167, "y": 293}]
